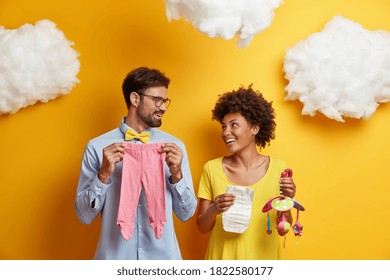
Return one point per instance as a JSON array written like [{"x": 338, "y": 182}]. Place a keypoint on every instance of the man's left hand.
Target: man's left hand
[{"x": 173, "y": 158}]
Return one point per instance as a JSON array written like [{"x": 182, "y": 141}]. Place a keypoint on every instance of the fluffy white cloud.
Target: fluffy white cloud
[
  {"x": 344, "y": 70},
  {"x": 37, "y": 63},
  {"x": 225, "y": 18}
]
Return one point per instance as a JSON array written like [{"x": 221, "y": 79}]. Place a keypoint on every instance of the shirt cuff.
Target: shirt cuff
[
  {"x": 180, "y": 186},
  {"x": 99, "y": 188}
]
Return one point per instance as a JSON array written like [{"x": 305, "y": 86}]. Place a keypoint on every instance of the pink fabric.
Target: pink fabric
[{"x": 143, "y": 165}]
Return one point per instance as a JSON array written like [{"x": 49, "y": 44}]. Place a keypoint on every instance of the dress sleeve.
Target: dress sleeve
[
  {"x": 91, "y": 192},
  {"x": 204, "y": 190}
]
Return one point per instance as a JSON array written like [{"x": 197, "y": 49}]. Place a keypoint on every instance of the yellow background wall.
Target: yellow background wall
[{"x": 341, "y": 169}]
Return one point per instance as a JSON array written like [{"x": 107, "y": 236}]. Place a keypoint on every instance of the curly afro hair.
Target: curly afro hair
[{"x": 253, "y": 107}]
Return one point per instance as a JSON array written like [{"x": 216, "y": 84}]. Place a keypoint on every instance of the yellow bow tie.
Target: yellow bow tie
[{"x": 143, "y": 136}]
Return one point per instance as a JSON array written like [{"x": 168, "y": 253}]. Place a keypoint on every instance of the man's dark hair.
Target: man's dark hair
[{"x": 140, "y": 79}]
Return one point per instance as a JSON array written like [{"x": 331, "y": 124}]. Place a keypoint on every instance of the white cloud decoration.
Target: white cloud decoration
[
  {"x": 37, "y": 63},
  {"x": 225, "y": 18},
  {"x": 342, "y": 71}
]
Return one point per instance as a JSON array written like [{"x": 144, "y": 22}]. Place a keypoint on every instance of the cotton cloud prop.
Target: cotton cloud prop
[
  {"x": 344, "y": 70},
  {"x": 225, "y": 18},
  {"x": 37, "y": 63}
]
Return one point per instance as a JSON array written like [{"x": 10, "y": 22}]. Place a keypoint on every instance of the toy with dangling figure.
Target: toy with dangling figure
[{"x": 282, "y": 204}]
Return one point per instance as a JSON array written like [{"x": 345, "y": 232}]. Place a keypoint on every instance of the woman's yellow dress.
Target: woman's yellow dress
[{"x": 254, "y": 243}]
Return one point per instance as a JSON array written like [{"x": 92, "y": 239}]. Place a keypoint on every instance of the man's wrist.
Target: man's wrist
[
  {"x": 103, "y": 179},
  {"x": 176, "y": 178}
]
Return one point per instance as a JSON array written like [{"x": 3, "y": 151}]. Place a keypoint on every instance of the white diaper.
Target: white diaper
[{"x": 237, "y": 218}]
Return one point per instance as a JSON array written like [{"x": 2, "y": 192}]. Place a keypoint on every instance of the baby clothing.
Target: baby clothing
[
  {"x": 143, "y": 166},
  {"x": 236, "y": 218}
]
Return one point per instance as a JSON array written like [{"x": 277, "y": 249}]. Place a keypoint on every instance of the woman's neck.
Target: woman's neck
[{"x": 246, "y": 159}]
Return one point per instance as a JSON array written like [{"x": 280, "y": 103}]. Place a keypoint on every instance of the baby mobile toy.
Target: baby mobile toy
[{"x": 282, "y": 204}]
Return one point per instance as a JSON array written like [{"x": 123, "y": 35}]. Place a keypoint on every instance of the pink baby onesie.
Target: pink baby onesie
[{"x": 143, "y": 165}]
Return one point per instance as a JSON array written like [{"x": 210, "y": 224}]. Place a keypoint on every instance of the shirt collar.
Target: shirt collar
[{"x": 123, "y": 127}]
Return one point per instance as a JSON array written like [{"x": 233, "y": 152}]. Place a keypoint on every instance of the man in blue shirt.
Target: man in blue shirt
[{"x": 98, "y": 191}]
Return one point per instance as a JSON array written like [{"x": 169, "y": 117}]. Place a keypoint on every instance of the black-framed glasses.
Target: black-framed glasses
[{"x": 158, "y": 101}]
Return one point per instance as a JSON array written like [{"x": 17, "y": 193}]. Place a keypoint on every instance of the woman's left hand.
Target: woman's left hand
[{"x": 287, "y": 186}]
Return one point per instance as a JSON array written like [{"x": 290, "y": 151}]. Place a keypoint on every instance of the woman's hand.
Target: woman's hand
[
  {"x": 223, "y": 202},
  {"x": 208, "y": 211},
  {"x": 287, "y": 186}
]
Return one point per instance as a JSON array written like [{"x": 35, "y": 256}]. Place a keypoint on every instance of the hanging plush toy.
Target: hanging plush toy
[{"x": 282, "y": 204}]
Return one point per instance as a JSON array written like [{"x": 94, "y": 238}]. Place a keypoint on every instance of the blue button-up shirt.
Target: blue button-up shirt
[{"x": 94, "y": 198}]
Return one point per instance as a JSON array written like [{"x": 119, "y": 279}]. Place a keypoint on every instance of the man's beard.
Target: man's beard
[{"x": 149, "y": 119}]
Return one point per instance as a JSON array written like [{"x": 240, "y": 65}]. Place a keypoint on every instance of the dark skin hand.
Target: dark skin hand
[{"x": 287, "y": 186}]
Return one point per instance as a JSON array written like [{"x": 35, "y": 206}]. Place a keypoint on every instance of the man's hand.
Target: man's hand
[
  {"x": 174, "y": 157},
  {"x": 111, "y": 155}
]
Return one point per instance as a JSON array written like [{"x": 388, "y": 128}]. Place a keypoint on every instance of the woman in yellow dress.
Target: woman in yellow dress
[{"x": 247, "y": 121}]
